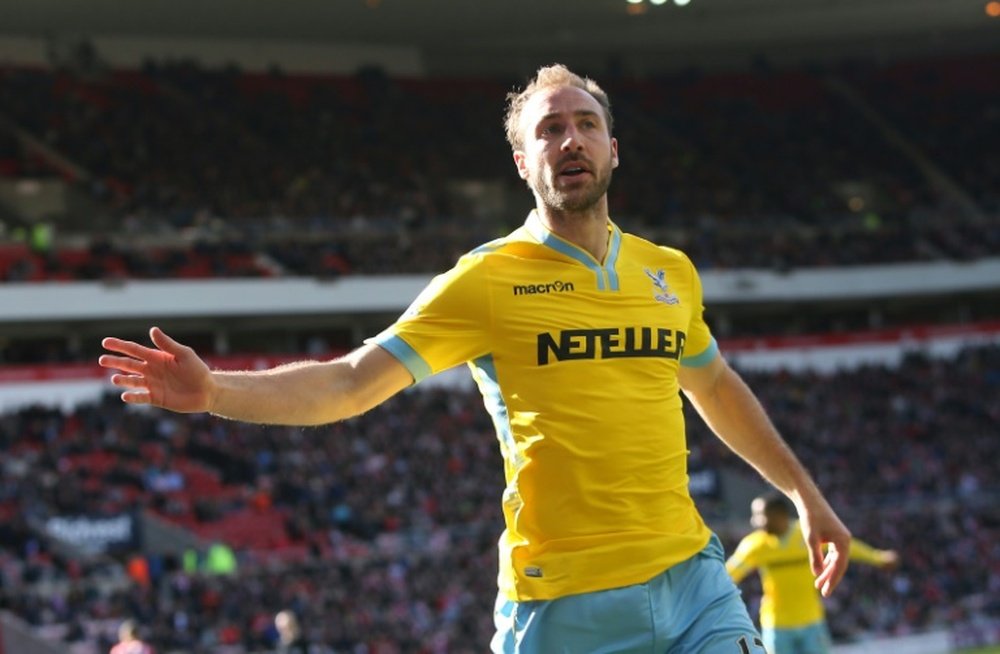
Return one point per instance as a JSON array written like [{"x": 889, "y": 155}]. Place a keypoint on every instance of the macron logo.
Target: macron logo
[{"x": 551, "y": 287}]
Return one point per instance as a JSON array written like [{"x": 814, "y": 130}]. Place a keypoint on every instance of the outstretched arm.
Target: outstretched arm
[
  {"x": 732, "y": 411},
  {"x": 172, "y": 376},
  {"x": 862, "y": 552}
]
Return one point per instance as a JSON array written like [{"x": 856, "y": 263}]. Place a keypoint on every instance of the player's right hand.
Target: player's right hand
[{"x": 169, "y": 375}]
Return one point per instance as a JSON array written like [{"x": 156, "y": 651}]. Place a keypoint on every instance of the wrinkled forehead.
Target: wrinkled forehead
[{"x": 558, "y": 100}]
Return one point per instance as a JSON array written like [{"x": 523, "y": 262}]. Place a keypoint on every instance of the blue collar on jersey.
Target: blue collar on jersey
[{"x": 607, "y": 275}]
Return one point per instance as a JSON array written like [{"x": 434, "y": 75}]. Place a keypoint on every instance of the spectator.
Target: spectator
[
  {"x": 290, "y": 638},
  {"x": 129, "y": 641}
]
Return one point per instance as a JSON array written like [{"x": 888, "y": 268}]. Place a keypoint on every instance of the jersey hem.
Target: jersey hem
[{"x": 515, "y": 588}]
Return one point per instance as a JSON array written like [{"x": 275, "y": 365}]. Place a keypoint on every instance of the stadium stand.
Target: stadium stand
[{"x": 280, "y": 174}]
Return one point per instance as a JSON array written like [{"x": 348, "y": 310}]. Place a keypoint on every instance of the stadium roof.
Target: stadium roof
[{"x": 448, "y": 32}]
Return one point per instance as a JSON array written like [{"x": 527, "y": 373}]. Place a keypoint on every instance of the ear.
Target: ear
[
  {"x": 521, "y": 161},
  {"x": 614, "y": 153}
]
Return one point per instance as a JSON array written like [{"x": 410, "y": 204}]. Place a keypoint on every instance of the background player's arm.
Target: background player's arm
[
  {"x": 862, "y": 552},
  {"x": 743, "y": 561},
  {"x": 172, "y": 376},
  {"x": 732, "y": 411}
]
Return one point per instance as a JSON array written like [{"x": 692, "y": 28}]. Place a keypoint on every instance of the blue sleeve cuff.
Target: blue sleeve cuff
[
  {"x": 702, "y": 359},
  {"x": 400, "y": 349}
]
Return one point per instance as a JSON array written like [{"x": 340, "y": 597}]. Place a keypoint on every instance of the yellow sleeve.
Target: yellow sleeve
[
  {"x": 864, "y": 553},
  {"x": 446, "y": 325},
  {"x": 700, "y": 347},
  {"x": 744, "y": 559}
]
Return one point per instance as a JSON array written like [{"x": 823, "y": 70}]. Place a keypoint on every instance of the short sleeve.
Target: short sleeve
[
  {"x": 744, "y": 559},
  {"x": 446, "y": 325},
  {"x": 700, "y": 347}
]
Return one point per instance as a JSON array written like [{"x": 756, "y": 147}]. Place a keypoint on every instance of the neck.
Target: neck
[{"x": 587, "y": 229}]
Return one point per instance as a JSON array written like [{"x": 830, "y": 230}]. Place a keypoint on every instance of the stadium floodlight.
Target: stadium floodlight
[
  {"x": 681, "y": 3},
  {"x": 658, "y": 2}
]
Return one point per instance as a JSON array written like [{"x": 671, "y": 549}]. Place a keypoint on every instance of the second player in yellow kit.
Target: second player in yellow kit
[
  {"x": 792, "y": 617},
  {"x": 543, "y": 324}
]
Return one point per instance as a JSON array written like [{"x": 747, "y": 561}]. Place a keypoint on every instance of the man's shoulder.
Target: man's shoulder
[
  {"x": 756, "y": 539},
  {"x": 475, "y": 266},
  {"x": 514, "y": 247},
  {"x": 643, "y": 247}
]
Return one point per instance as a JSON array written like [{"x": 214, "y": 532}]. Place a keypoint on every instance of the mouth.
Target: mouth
[{"x": 573, "y": 170}]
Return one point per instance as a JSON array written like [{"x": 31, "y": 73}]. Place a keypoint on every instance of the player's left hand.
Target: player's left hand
[{"x": 821, "y": 527}]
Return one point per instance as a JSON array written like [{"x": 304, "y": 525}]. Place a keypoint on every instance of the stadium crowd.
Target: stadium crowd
[
  {"x": 387, "y": 523},
  {"x": 329, "y": 176}
]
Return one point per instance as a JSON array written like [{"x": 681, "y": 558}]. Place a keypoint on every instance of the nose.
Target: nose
[{"x": 572, "y": 141}]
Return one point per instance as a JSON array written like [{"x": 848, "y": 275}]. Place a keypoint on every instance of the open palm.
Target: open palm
[{"x": 169, "y": 375}]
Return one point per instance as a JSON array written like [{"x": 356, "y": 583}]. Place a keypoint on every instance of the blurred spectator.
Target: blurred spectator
[
  {"x": 129, "y": 641},
  {"x": 290, "y": 638}
]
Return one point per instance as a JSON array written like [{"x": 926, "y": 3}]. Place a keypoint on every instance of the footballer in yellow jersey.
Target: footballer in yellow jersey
[
  {"x": 791, "y": 612},
  {"x": 558, "y": 343},
  {"x": 581, "y": 338}
]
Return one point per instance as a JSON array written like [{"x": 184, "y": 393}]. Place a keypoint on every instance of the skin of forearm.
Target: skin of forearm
[
  {"x": 304, "y": 393},
  {"x": 732, "y": 411},
  {"x": 309, "y": 392}
]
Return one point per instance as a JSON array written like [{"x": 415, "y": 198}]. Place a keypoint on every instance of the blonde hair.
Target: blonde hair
[{"x": 549, "y": 77}]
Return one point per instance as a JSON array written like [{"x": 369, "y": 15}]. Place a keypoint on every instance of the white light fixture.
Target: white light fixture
[
  {"x": 658, "y": 2},
  {"x": 681, "y": 3},
  {"x": 635, "y": 2}
]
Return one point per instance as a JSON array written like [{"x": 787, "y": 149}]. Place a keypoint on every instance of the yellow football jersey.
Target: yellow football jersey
[
  {"x": 790, "y": 599},
  {"x": 577, "y": 363}
]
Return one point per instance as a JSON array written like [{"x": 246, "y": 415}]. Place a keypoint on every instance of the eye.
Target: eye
[{"x": 551, "y": 130}]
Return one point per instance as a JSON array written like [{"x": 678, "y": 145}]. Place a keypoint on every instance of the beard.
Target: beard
[{"x": 579, "y": 198}]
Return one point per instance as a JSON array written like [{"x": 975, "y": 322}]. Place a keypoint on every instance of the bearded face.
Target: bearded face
[{"x": 568, "y": 155}]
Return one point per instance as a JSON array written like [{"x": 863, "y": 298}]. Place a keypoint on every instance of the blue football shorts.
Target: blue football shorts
[
  {"x": 811, "y": 639},
  {"x": 691, "y": 608}
]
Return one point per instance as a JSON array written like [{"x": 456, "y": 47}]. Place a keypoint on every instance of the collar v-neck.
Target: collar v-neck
[{"x": 606, "y": 274}]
